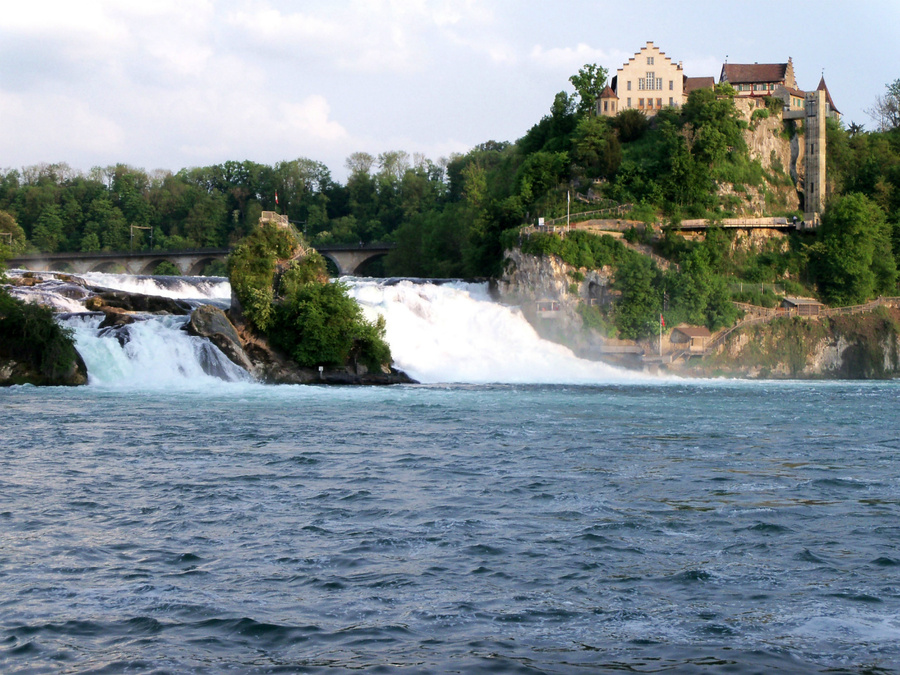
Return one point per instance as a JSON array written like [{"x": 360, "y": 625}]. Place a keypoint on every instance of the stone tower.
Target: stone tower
[{"x": 814, "y": 185}]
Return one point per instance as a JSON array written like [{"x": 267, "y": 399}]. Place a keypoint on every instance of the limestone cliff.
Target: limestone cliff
[
  {"x": 529, "y": 279},
  {"x": 781, "y": 158},
  {"x": 862, "y": 346}
]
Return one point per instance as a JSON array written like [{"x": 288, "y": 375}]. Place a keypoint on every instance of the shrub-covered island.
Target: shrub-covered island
[
  {"x": 34, "y": 348},
  {"x": 283, "y": 302}
]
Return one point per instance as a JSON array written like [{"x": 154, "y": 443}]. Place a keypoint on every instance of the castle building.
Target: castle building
[
  {"x": 759, "y": 79},
  {"x": 648, "y": 82},
  {"x": 651, "y": 81}
]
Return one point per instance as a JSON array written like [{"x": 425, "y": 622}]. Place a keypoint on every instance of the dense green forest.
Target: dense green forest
[{"x": 447, "y": 218}]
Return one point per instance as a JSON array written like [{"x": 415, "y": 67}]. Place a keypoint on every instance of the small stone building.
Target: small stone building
[
  {"x": 802, "y": 306},
  {"x": 694, "y": 338}
]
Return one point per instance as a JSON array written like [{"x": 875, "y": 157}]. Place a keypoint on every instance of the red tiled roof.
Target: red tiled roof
[
  {"x": 608, "y": 93},
  {"x": 823, "y": 87},
  {"x": 692, "y": 83},
  {"x": 750, "y": 73},
  {"x": 795, "y": 92}
]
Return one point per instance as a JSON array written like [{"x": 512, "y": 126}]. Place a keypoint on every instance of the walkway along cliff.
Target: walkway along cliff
[{"x": 846, "y": 342}]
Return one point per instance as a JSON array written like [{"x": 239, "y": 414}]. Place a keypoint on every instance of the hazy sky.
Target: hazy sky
[{"x": 179, "y": 83}]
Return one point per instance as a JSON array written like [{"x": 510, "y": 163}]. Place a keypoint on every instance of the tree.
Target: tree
[
  {"x": 12, "y": 237},
  {"x": 852, "y": 258},
  {"x": 631, "y": 124},
  {"x": 589, "y": 84},
  {"x": 637, "y": 313},
  {"x": 596, "y": 148},
  {"x": 886, "y": 110},
  {"x": 48, "y": 233}
]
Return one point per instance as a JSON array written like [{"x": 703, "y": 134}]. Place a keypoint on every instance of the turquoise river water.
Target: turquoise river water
[{"x": 186, "y": 524}]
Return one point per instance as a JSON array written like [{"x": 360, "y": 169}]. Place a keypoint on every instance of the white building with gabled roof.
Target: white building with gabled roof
[{"x": 649, "y": 81}]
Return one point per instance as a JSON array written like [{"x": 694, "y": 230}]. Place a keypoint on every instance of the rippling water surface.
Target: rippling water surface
[{"x": 674, "y": 528}]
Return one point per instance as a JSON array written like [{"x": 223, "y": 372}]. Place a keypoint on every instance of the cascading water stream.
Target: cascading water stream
[
  {"x": 438, "y": 333},
  {"x": 455, "y": 332},
  {"x": 154, "y": 353}
]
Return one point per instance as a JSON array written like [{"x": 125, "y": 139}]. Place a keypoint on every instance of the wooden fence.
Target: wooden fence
[{"x": 756, "y": 315}]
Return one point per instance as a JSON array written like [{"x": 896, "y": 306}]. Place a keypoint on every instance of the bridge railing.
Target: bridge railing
[
  {"x": 70, "y": 255},
  {"x": 162, "y": 253}
]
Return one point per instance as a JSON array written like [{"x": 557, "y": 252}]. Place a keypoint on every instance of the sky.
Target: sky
[{"x": 172, "y": 84}]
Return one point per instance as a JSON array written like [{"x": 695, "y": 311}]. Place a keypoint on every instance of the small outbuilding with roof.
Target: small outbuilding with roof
[
  {"x": 694, "y": 338},
  {"x": 802, "y": 306}
]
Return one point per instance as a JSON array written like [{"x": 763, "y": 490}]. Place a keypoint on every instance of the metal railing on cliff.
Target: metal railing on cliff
[
  {"x": 612, "y": 208},
  {"x": 754, "y": 314}
]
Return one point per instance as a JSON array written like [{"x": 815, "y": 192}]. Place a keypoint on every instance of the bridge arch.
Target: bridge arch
[
  {"x": 332, "y": 265},
  {"x": 109, "y": 267},
  {"x": 350, "y": 260},
  {"x": 372, "y": 266},
  {"x": 151, "y": 265},
  {"x": 197, "y": 268}
]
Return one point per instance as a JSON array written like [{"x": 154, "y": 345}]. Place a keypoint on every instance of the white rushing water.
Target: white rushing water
[
  {"x": 151, "y": 354},
  {"x": 455, "y": 332},
  {"x": 438, "y": 333},
  {"x": 182, "y": 288}
]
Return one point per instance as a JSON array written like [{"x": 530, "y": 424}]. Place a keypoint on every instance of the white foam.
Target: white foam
[
  {"x": 181, "y": 288},
  {"x": 455, "y": 333},
  {"x": 156, "y": 355}
]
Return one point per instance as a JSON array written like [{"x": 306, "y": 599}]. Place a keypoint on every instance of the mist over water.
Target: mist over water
[
  {"x": 455, "y": 333},
  {"x": 439, "y": 333}
]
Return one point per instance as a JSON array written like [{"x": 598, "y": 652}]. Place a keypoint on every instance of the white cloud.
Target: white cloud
[
  {"x": 58, "y": 128},
  {"x": 570, "y": 59},
  {"x": 371, "y": 36}
]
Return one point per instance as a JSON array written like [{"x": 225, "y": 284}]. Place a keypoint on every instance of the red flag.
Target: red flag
[
  {"x": 662, "y": 321},
  {"x": 276, "y": 196}
]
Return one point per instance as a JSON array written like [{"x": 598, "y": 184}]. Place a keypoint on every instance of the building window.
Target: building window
[
  {"x": 671, "y": 85},
  {"x": 649, "y": 60},
  {"x": 671, "y": 101},
  {"x": 659, "y": 103},
  {"x": 640, "y": 103},
  {"x": 628, "y": 85},
  {"x": 659, "y": 83},
  {"x": 628, "y": 101},
  {"x": 651, "y": 81}
]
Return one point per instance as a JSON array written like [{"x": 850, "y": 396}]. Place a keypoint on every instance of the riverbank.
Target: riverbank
[{"x": 554, "y": 296}]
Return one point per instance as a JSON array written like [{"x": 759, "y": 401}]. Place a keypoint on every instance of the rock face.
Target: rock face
[
  {"x": 211, "y": 323},
  {"x": 861, "y": 346},
  {"x": 528, "y": 279},
  {"x": 13, "y": 371},
  {"x": 779, "y": 156},
  {"x": 269, "y": 365}
]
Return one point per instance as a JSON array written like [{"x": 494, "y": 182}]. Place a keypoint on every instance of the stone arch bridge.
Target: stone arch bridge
[{"x": 348, "y": 260}]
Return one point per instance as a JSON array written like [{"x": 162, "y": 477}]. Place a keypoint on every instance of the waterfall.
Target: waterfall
[
  {"x": 449, "y": 332},
  {"x": 208, "y": 289},
  {"x": 153, "y": 353},
  {"x": 454, "y": 332}
]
